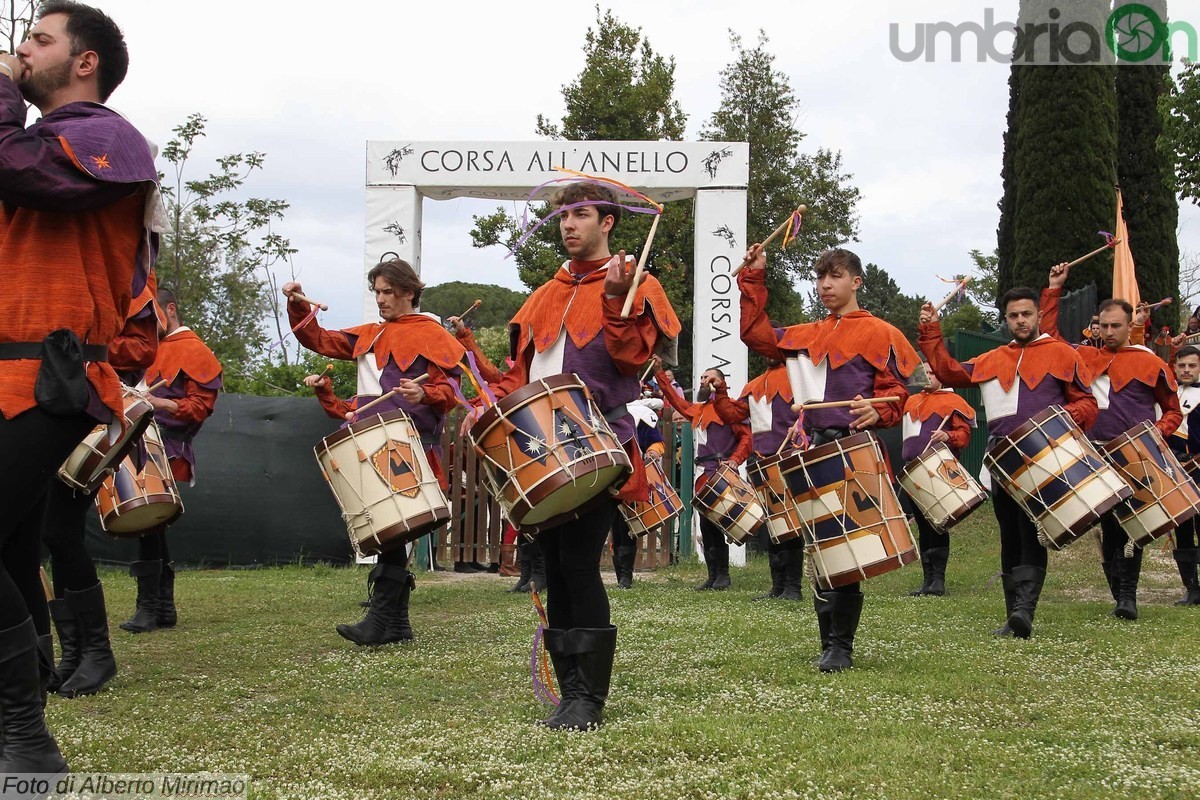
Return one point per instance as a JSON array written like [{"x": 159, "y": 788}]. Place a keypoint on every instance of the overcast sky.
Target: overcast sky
[{"x": 310, "y": 84}]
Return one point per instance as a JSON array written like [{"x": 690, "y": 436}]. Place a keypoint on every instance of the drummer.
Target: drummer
[
  {"x": 1132, "y": 385},
  {"x": 851, "y": 355},
  {"x": 767, "y": 402},
  {"x": 1016, "y": 382},
  {"x": 935, "y": 415},
  {"x": 719, "y": 440},
  {"x": 391, "y": 355},
  {"x": 573, "y": 323},
  {"x": 1186, "y": 445}
]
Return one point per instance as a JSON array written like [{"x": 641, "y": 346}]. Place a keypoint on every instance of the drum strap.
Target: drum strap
[
  {"x": 15, "y": 351},
  {"x": 614, "y": 414}
]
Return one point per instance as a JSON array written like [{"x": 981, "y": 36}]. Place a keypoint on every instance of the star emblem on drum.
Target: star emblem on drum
[
  {"x": 572, "y": 436},
  {"x": 534, "y": 445}
]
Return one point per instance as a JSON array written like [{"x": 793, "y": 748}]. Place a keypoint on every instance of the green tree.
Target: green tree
[
  {"x": 221, "y": 253},
  {"x": 1145, "y": 175},
  {"x": 881, "y": 295},
  {"x": 453, "y": 298},
  {"x": 1181, "y": 131},
  {"x": 1059, "y": 167}
]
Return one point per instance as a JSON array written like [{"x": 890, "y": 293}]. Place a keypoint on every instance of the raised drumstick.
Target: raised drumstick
[
  {"x": 358, "y": 411},
  {"x": 474, "y": 306},
  {"x": 843, "y": 403},
  {"x": 637, "y": 274},
  {"x": 310, "y": 301},
  {"x": 649, "y": 369},
  {"x": 961, "y": 285},
  {"x": 1095, "y": 252},
  {"x": 800, "y": 209}
]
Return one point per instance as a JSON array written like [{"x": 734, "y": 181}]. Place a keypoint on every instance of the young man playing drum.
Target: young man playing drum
[
  {"x": 1129, "y": 382},
  {"x": 75, "y": 248},
  {"x": 849, "y": 356},
  {"x": 719, "y": 440},
  {"x": 1031, "y": 373},
  {"x": 934, "y": 415},
  {"x": 767, "y": 402},
  {"x": 573, "y": 323},
  {"x": 1186, "y": 445},
  {"x": 191, "y": 378},
  {"x": 391, "y": 356}
]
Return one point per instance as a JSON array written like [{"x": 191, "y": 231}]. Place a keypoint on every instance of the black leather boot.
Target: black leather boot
[
  {"x": 936, "y": 577},
  {"x": 1027, "y": 581},
  {"x": 167, "y": 617},
  {"x": 570, "y": 688},
  {"x": 68, "y": 641},
  {"x": 97, "y": 665},
  {"x": 1186, "y": 560},
  {"x": 145, "y": 617},
  {"x": 710, "y": 557},
  {"x": 927, "y": 574},
  {"x": 28, "y": 745},
  {"x": 47, "y": 673},
  {"x": 721, "y": 582},
  {"x": 1129, "y": 571},
  {"x": 1110, "y": 575},
  {"x": 623, "y": 561},
  {"x": 537, "y": 567},
  {"x": 593, "y": 649},
  {"x": 1010, "y": 602},
  {"x": 824, "y": 620},
  {"x": 845, "y": 609},
  {"x": 775, "y": 559},
  {"x": 793, "y": 574},
  {"x": 386, "y": 620},
  {"x": 525, "y": 559}
]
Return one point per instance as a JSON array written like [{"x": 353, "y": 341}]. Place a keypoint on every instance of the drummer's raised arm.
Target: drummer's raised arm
[
  {"x": 948, "y": 371},
  {"x": 757, "y": 332},
  {"x": 669, "y": 394}
]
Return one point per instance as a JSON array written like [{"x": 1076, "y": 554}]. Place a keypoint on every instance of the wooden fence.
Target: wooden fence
[{"x": 476, "y": 528}]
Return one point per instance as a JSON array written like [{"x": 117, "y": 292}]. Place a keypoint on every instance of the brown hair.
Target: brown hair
[
  {"x": 838, "y": 260},
  {"x": 582, "y": 192},
  {"x": 400, "y": 275},
  {"x": 1121, "y": 304}
]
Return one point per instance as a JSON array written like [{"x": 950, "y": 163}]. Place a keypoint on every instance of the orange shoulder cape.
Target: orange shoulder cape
[
  {"x": 708, "y": 416},
  {"x": 183, "y": 351},
  {"x": 923, "y": 405},
  {"x": 406, "y": 338},
  {"x": 1132, "y": 363},
  {"x": 1034, "y": 361},
  {"x": 859, "y": 333},
  {"x": 579, "y": 304},
  {"x": 771, "y": 384}
]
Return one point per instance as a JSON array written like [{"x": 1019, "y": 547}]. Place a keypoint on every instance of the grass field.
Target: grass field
[{"x": 713, "y": 696}]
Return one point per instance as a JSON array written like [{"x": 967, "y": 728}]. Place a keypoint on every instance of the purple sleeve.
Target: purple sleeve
[{"x": 35, "y": 171}]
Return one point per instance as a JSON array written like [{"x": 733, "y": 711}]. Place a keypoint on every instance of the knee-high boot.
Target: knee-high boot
[
  {"x": 566, "y": 671},
  {"x": 710, "y": 561},
  {"x": 1186, "y": 560},
  {"x": 844, "y": 610},
  {"x": 167, "y": 616},
  {"x": 145, "y": 617},
  {"x": 68, "y": 641},
  {"x": 593, "y": 650},
  {"x": 775, "y": 560},
  {"x": 525, "y": 560},
  {"x": 721, "y": 582},
  {"x": 793, "y": 574},
  {"x": 1010, "y": 602},
  {"x": 28, "y": 744},
  {"x": 386, "y": 620},
  {"x": 1027, "y": 581},
  {"x": 1129, "y": 571},
  {"x": 938, "y": 557},
  {"x": 97, "y": 664}
]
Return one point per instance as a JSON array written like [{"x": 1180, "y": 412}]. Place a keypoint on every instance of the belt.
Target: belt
[
  {"x": 614, "y": 414},
  {"x": 15, "y": 351}
]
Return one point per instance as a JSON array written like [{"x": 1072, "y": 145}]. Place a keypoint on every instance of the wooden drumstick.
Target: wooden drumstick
[
  {"x": 637, "y": 274},
  {"x": 961, "y": 285},
  {"x": 1166, "y": 301},
  {"x": 474, "y": 306},
  {"x": 1097, "y": 251},
  {"x": 309, "y": 300},
  {"x": 358, "y": 411},
  {"x": 157, "y": 386},
  {"x": 800, "y": 209},
  {"x": 649, "y": 369},
  {"x": 843, "y": 403},
  {"x": 791, "y": 434},
  {"x": 46, "y": 587},
  {"x": 328, "y": 369}
]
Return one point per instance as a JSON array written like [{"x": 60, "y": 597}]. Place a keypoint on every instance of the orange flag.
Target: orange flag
[{"x": 1125, "y": 285}]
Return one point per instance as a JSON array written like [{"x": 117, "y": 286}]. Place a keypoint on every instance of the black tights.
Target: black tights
[
  {"x": 1019, "y": 545},
  {"x": 713, "y": 539},
  {"x": 572, "y": 550},
  {"x": 63, "y": 529},
  {"x": 1112, "y": 537},
  {"x": 397, "y": 557},
  {"x": 32, "y": 447},
  {"x": 152, "y": 546}
]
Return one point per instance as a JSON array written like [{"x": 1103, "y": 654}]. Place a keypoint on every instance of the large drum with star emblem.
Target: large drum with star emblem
[
  {"x": 383, "y": 483},
  {"x": 548, "y": 453}
]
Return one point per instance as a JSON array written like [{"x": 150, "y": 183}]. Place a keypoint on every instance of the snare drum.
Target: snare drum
[
  {"x": 853, "y": 526},
  {"x": 662, "y": 507},
  {"x": 1164, "y": 496},
  {"x": 1055, "y": 474},
  {"x": 548, "y": 453},
  {"x": 132, "y": 502},
  {"x": 96, "y": 457},
  {"x": 726, "y": 500},
  {"x": 382, "y": 481},
  {"x": 941, "y": 488},
  {"x": 783, "y": 517}
]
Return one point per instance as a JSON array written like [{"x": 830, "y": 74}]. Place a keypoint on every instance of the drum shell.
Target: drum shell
[
  {"x": 1056, "y": 475},
  {"x": 382, "y": 481},
  {"x": 852, "y": 522},
  {"x": 95, "y": 457},
  {"x": 662, "y": 507},
  {"x": 941, "y": 488},
  {"x": 579, "y": 467},
  {"x": 132, "y": 502},
  {"x": 783, "y": 517},
  {"x": 1164, "y": 495},
  {"x": 728, "y": 501}
]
